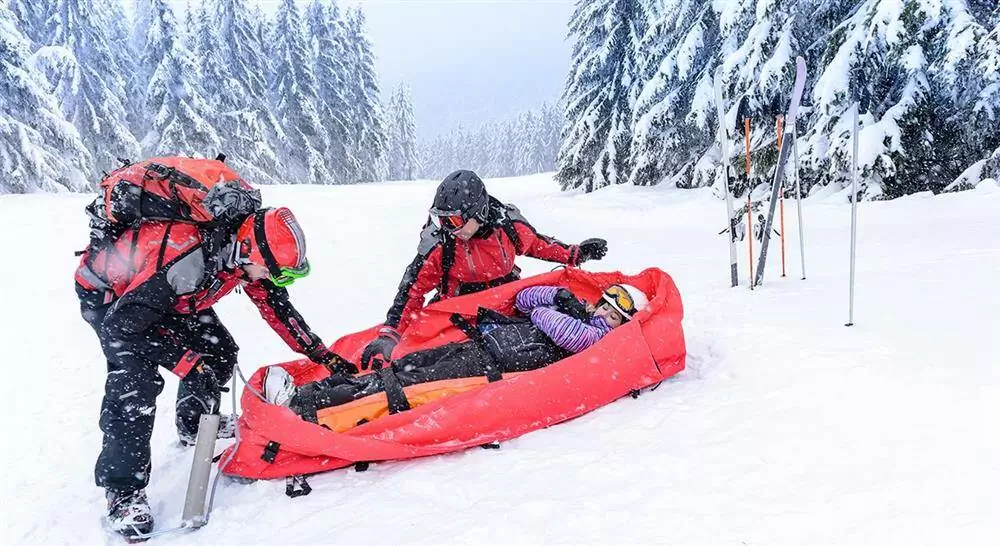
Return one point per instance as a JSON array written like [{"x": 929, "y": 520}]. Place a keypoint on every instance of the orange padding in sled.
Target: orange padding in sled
[
  {"x": 640, "y": 353},
  {"x": 369, "y": 408}
]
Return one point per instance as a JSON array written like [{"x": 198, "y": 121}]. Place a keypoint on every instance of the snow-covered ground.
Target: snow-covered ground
[{"x": 786, "y": 429}]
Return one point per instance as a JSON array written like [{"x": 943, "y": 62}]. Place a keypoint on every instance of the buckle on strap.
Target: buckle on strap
[
  {"x": 270, "y": 452},
  {"x": 393, "y": 391}
]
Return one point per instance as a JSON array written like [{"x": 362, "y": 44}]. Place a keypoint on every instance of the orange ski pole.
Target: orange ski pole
[
  {"x": 781, "y": 200},
  {"x": 746, "y": 139}
]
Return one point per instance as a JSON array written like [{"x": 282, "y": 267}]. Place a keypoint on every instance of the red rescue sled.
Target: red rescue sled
[{"x": 274, "y": 442}]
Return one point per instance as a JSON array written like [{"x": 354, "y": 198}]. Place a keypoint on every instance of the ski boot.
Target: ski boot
[
  {"x": 279, "y": 389},
  {"x": 129, "y": 514}
]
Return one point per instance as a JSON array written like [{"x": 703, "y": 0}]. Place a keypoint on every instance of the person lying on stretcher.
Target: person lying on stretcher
[{"x": 554, "y": 324}]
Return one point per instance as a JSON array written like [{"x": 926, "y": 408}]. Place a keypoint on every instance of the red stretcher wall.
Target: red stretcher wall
[{"x": 638, "y": 354}]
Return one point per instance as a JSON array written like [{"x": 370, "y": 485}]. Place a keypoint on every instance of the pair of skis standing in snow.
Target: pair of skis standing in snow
[
  {"x": 172, "y": 236},
  {"x": 786, "y": 141}
]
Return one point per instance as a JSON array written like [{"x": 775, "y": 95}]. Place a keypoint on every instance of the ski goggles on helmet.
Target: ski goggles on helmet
[
  {"x": 619, "y": 298},
  {"x": 289, "y": 275},
  {"x": 450, "y": 220}
]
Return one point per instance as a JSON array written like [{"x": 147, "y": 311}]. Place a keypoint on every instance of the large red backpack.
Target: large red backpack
[{"x": 199, "y": 191}]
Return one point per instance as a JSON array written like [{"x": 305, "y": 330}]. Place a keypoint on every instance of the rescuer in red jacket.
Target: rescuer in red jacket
[
  {"x": 468, "y": 245},
  {"x": 149, "y": 298}
]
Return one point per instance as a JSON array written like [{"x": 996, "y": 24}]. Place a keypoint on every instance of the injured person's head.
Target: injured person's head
[{"x": 619, "y": 303}]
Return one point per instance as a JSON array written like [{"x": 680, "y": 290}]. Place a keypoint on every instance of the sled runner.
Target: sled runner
[{"x": 452, "y": 415}]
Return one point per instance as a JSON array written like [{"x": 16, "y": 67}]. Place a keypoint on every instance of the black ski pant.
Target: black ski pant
[
  {"x": 451, "y": 361},
  {"x": 133, "y": 383}
]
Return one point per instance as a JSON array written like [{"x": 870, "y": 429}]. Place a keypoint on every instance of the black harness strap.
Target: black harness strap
[
  {"x": 473, "y": 287},
  {"x": 490, "y": 369},
  {"x": 260, "y": 236},
  {"x": 393, "y": 391}
]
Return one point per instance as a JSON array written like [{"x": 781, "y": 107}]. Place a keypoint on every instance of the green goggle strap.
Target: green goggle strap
[{"x": 289, "y": 275}]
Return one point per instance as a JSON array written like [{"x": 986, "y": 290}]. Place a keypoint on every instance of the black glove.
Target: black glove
[
  {"x": 332, "y": 361},
  {"x": 592, "y": 249},
  {"x": 567, "y": 304},
  {"x": 378, "y": 351}
]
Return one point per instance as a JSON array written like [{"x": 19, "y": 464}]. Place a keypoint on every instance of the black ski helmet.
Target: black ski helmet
[{"x": 461, "y": 193}]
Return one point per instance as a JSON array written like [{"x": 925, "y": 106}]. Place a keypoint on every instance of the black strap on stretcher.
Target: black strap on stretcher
[
  {"x": 393, "y": 391},
  {"x": 491, "y": 370}
]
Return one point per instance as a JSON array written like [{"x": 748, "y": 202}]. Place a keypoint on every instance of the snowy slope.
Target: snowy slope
[{"x": 786, "y": 429}]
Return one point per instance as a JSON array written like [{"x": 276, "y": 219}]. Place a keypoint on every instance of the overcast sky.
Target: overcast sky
[{"x": 466, "y": 61}]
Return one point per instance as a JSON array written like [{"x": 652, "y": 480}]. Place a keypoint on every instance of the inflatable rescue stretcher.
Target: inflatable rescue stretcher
[{"x": 457, "y": 414}]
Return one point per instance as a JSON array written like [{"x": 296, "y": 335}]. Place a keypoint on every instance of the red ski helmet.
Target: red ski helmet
[{"x": 274, "y": 239}]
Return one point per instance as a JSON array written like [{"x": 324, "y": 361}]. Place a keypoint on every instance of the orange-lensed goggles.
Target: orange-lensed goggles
[
  {"x": 620, "y": 299},
  {"x": 448, "y": 221}
]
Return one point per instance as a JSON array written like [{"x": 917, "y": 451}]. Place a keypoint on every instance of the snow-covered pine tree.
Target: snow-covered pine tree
[
  {"x": 39, "y": 149},
  {"x": 444, "y": 148},
  {"x": 673, "y": 110},
  {"x": 933, "y": 152},
  {"x": 216, "y": 85},
  {"x": 95, "y": 102},
  {"x": 326, "y": 31},
  {"x": 549, "y": 136},
  {"x": 142, "y": 19},
  {"x": 508, "y": 150},
  {"x": 525, "y": 128},
  {"x": 986, "y": 108},
  {"x": 600, "y": 93},
  {"x": 30, "y": 19},
  {"x": 403, "y": 161},
  {"x": 483, "y": 149},
  {"x": 293, "y": 99},
  {"x": 493, "y": 143},
  {"x": 191, "y": 26},
  {"x": 906, "y": 54},
  {"x": 177, "y": 114},
  {"x": 367, "y": 129},
  {"x": 118, "y": 31},
  {"x": 431, "y": 152},
  {"x": 255, "y": 132}
]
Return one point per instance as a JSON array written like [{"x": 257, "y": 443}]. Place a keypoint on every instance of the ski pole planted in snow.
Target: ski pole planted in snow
[
  {"x": 743, "y": 119},
  {"x": 861, "y": 103},
  {"x": 863, "y": 98},
  {"x": 854, "y": 207},
  {"x": 781, "y": 201},
  {"x": 724, "y": 148},
  {"x": 798, "y": 201}
]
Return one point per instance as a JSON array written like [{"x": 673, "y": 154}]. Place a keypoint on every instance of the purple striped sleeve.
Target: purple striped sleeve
[
  {"x": 533, "y": 296},
  {"x": 571, "y": 334}
]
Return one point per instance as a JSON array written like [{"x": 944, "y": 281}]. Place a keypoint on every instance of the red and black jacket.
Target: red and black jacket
[
  {"x": 454, "y": 267},
  {"x": 163, "y": 268}
]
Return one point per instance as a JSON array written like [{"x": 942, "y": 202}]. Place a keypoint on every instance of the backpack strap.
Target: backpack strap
[
  {"x": 447, "y": 261},
  {"x": 511, "y": 231},
  {"x": 163, "y": 246}
]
